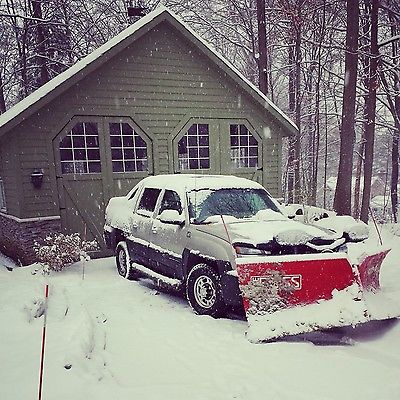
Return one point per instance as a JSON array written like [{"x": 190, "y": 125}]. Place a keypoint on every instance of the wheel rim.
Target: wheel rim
[
  {"x": 205, "y": 293},
  {"x": 122, "y": 262}
]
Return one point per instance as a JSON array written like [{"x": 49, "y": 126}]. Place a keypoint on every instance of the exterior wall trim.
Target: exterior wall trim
[{"x": 35, "y": 219}]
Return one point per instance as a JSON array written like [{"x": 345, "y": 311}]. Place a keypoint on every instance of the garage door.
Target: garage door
[{"x": 96, "y": 159}]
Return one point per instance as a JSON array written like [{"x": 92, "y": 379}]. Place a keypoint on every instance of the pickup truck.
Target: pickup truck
[{"x": 187, "y": 232}]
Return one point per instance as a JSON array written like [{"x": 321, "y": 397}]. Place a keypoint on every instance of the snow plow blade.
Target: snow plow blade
[{"x": 293, "y": 294}]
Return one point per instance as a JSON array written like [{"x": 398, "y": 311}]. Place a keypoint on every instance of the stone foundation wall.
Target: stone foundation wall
[{"x": 17, "y": 236}]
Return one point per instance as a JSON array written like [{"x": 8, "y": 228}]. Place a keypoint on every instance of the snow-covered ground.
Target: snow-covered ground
[{"x": 111, "y": 338}]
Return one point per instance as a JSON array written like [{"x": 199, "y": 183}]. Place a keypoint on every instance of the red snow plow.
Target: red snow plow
[{"x": 293, "y": 294}]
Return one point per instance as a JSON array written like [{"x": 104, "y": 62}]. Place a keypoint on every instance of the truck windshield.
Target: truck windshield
[{"x": 239, "y": 203}]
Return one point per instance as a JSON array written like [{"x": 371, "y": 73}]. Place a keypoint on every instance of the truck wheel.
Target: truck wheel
[
  {"x": 124, "y": 262},
  {"x": 203, "y": 291}
]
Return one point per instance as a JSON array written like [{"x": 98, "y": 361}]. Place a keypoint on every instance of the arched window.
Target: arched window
[
  {"x": 194, "y": 148},
  {"x": 244, "y": 147},
  {"x": 79, "y": 150},
  {"x": 128, "y": 149}
]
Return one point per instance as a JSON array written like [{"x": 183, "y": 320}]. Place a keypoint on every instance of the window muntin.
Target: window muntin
[
  {"x": 148, "y": 200},
  {"x": 244, "y": 147},
  {"x": 171, "y": 201},
  {"x": 2, "y": 197},
  {"x": 194, "y": 148},
  {"x": 79, "y": 149},
  {"x": 128, "y": 149}
]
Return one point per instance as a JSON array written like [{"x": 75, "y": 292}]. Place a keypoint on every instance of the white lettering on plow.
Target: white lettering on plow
[{"x": 292, "y": 281}]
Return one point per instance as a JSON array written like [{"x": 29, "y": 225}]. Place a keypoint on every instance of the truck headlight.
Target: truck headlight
[{"x": 250, "y": 251}]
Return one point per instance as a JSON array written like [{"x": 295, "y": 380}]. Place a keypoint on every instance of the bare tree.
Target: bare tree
[
  {"x": 370, "y": 113},
  {"x": 40, "y": 55},
  {"x": 342, "y": 200},
  {"x": 389, "y": 76},
  {"x": 262, "y": 47},
  {"x": 2, "y": 98}
]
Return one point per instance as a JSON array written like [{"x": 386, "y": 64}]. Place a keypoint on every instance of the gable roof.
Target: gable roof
[{"x": 43, "y": 95}]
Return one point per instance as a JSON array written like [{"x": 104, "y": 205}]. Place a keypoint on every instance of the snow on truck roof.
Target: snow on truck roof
[
  {"x": 198, "y": 182},
  {"x": 76, "y": 72}
]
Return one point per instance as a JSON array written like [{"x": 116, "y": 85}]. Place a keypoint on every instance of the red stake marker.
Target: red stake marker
[{"x": 43, "y": 342}]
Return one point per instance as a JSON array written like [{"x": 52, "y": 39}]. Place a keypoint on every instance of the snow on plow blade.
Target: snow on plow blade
[{"x": 293, "y": 294}]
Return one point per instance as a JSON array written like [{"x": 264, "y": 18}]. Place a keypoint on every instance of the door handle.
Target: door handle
[{"x": 154, "y": 229}]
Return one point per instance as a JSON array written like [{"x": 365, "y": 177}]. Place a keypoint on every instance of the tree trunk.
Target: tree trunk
[
  {"x": 396, "y": 116},
  {"x": 41, "y": 45},
  {"x": 291, "y": 149},
  {"x": 342, "y": 200},
  {"x": 365, "y": 23},
  {"x": 394, "y": 106},
  {"x": 262, "y": 47},
  {"x": 293, "y": 173},
  {"x": 317, "y": 122},
  {"x": 371, "y": 110},
  {"x": 294, "y": 181},
  {"x": 297, "y": 143},
  {"x": 357, "y": 184},
  {"x": 395, "y": 174},
  {"x": 2, "y": 99}
]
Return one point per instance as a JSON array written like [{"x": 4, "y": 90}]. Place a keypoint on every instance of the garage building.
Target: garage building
[{"x": 154, "y": 99}]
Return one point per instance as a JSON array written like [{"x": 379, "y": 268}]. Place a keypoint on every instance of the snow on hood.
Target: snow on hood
[
  {"x": 356, "y": 230},
  {"x": 118, "y": 214},
  {"x": 306, "y": 213},
  {"x": 254, "y": 232}
]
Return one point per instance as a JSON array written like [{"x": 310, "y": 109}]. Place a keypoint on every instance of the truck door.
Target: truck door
[
  {"x": 139, "y": 240},
  {"x": 169, "y": 238}
]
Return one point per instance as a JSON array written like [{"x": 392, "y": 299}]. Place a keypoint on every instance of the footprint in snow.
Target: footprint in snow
[{"x": 86, "y": 346}]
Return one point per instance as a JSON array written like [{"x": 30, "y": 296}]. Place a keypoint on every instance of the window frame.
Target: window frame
[
  {"x": 124, "y": 148},
  {"x": 160, "y": 208},
  {"x": 197, "y": 134},
  {"x": 68, "y": 131},
  {"x": 148, "y": 213},
  {"x": 256, "y": 136},
  {"x": 104, "y": 143},
  {"x": 149, "y": 144},
  {"x": 213, "y": 143}
]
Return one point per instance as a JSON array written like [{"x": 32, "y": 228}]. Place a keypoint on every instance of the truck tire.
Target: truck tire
[
  {"x": 123, "y": 262},
  {"x": 203, "y": 291}
]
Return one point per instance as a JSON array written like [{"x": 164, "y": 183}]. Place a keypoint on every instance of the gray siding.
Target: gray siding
[
  {"x": 9, "y": 172},
  {"x": 160, "y": 81}
]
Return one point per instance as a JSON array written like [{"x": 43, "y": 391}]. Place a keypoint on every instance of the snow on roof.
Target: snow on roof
[
  {"x": 198, "y": 182},
  {"x": 74, "y": 70}
]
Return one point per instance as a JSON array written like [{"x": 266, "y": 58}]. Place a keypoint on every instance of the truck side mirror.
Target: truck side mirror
[{"x": 171, "y": 217}]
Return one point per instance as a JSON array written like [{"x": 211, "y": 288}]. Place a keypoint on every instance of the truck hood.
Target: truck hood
[{"x": 283, "y": 231}]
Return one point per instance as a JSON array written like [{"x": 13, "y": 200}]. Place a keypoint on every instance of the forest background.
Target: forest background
[{"x": 332, "y": 66}]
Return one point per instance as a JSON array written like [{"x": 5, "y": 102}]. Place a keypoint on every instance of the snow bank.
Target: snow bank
[
  {"x": 111, "y": 338},
  {"x": 341, "y": 310}
]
